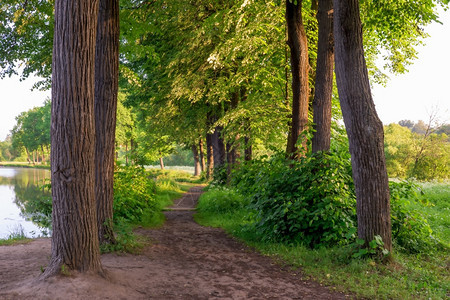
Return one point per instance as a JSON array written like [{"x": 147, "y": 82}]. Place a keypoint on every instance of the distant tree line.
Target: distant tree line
[{"x": 418, "y": 150}]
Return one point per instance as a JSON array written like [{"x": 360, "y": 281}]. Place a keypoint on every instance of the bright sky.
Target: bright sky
[
  {"x": 409, "y": 96},
  {"x": 15, "y": 97},
  {"x": 414, "y": 95}
]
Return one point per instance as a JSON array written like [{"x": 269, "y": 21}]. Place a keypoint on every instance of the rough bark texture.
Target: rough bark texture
[
  {"x": 75, "y": 242},
  {"x": 298, "y": 44},
  {"x": 196, "y": 160},
  {"x": 324, "y": 78},
  {"x": 218, "y": 148},
  {"x": 202, "y": 156},
  {"x": 106, "y": 89},
  {"x": 364, "y": 129}
]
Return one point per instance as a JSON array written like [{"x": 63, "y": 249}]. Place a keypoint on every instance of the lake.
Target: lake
[{"x": 24, "y": 203}]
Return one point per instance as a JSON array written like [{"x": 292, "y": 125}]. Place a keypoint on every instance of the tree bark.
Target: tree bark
[
  {"x": 298, "y": 44},
  {"x": 106, "y": 90},
  {"x": 161, "y": 163},
  {"x": 75, "y": 244},
  {"x": 324, "y": 78},
  {"x": 209, "y": 156},
  {"x": 196, "y": 160},
  {"x": 364, "y": 128},
  {"x": 218, "y": 148},
  {"x": 202, "y": 156}
]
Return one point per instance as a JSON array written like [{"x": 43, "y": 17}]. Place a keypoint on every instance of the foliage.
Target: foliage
[
  {"x": 221, "y": 201},
  {"x": 311, "y": 202},
  {"x": 134, "y": 194},
  {"x": 32, "y": 132},
  {"x": 375, "y": 249},
  {"x": 424, "y": 154},
  {"x": 410, "y": 229}
]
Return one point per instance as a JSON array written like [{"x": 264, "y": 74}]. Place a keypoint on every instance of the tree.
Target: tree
[
  {"x": 323, "y": 90},
  {"x": 406, "y": 123},
  {"x": 75, "y": 243},
  {"x": 364, "y": 128},
  {"x": 106, "y": 91},
  {"x": 32, "y": 132},
  {"x": 298, "y": 44}
]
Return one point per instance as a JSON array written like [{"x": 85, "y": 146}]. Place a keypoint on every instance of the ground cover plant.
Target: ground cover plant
[{"x": 272, "y": 206}]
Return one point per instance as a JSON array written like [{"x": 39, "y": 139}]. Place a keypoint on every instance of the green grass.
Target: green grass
[
  {"x": 17, "y": 236},
  {"x": 419, "y": 276},
  {"x": 23, "y": 165},
  {"x": 438, "y": 210}
]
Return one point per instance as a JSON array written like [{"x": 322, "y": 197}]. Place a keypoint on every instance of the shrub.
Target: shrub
[
  {"x": 221, "y": 200},
  {"x": 311, "y": 202},
  {"x": 134, "y": 194},
  {"x": 410, "y": 230}
]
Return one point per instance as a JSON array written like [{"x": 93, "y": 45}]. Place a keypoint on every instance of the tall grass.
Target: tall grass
[{"x": 16, "y": 235}]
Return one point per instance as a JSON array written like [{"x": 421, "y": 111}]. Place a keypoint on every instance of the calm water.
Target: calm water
[{"x": 21, "y": 200}]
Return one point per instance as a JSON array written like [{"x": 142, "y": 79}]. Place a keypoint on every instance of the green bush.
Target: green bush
[
  {"x": 310, "y": 202},
  {"x": 410, "y": 229},
  {"x": 221, "y": 200},
  {"x": 134, "y": 194}
]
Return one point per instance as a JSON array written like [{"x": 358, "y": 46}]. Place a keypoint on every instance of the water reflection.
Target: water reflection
[{"x": 24, "y": 203}]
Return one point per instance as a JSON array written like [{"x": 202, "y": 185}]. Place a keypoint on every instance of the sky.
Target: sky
[
  {"x": 426, "y": 87},
  {"x": 411, "y": 96}
]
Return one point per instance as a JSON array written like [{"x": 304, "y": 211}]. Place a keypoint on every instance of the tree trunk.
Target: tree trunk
[
  {"x": 218, "y": 148},
  {"x": 324, "y": 78},
  {"x": 106, "y": 90},
  {"x": 364, "y": 128},
  {"x": 196, "y": 160},
  {"x": 202, "y": 156},
  {"x": 43, "y": 154},
  {"x": 298, "y": 44},
  {"x": 248, "y": 153},
  {"x": 75, "y": 237},
  {"x": 126, "y": 153},
  {"x": 161, "y": 163},
  {"x": 230, "y": 160},
  {"x": 209, "y": 156}
]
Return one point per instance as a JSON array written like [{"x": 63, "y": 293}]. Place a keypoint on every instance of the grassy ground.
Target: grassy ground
[
  {"x": 408, "y": 276},
  {"x": 23, "y": 165},
  {"x": 15, "y": 237}
]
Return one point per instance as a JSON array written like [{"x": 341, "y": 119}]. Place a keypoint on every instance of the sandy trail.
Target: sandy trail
[{"x": 183, "y": 261}]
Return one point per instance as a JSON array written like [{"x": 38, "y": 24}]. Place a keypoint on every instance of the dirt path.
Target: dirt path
[{"x": 184, "y": 261}]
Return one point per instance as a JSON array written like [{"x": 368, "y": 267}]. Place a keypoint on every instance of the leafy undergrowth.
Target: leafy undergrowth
[{"x": 421, "y": 274}]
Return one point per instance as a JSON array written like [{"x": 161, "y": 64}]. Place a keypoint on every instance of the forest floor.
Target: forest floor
[{"x": 183, "y": 260}]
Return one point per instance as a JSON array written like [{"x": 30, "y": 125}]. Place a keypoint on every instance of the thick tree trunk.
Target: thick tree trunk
[
  {"x": 196, "y": 160},
  {"x": 161, "y": 163},
  {"x": 209, "y": 156},
  {"x": 106, "y": 90},
  {"x": 75, "y": 242},
  {"x": 324, "y": 78},
  {"x": 218, "y": 148},
  {"x": 298, "y": 44},
  {"x": 202, "y": 156},
  {"x": 364, "y": 128}
]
